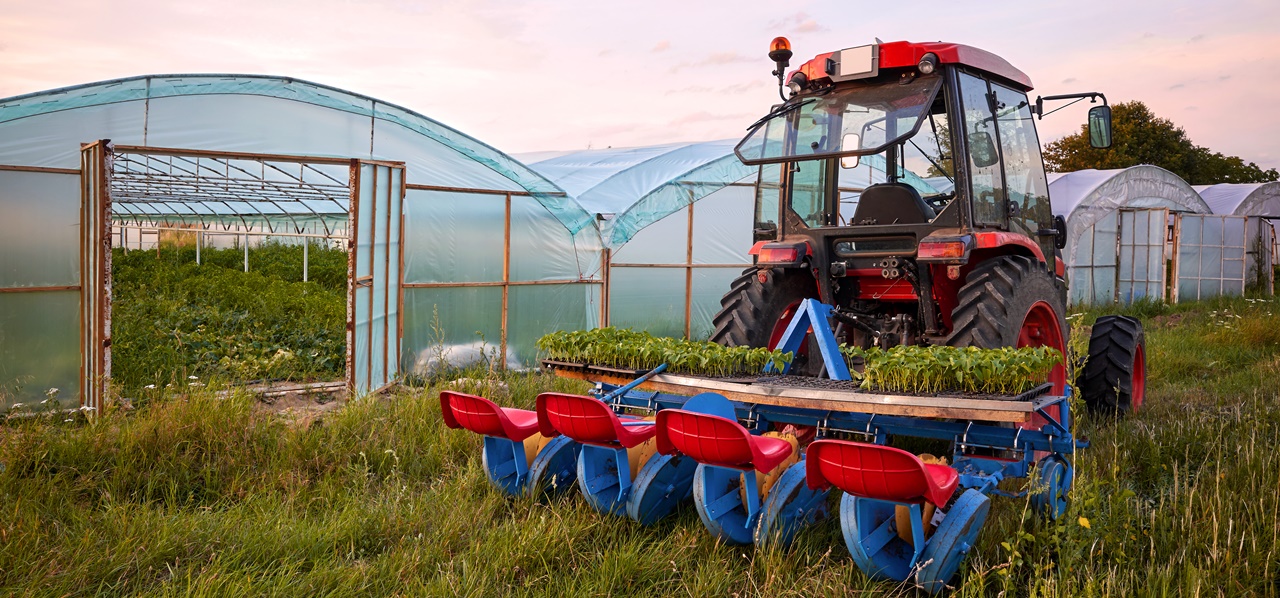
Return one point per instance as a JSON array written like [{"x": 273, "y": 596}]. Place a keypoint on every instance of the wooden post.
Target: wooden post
[
  {"x": 606, "y": 256},
  {"x": 506, "y": 278},
  {"x": 688, "y": 274}
]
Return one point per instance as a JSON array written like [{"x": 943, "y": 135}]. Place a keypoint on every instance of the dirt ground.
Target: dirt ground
[{"x": 300, "y": 404}]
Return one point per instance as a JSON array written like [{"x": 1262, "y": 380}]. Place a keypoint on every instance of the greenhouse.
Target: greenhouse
[
  {"x": 676, "y": 221},
  {"x": 484, "y": 244},
  {"x": 1117, "y": 229},
  {"x": 1260, "y": 201}
]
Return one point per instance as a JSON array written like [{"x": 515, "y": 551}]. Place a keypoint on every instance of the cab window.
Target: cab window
[
  {"x": 1024, "y": 176},
  {"x": 986, "y": 185}
]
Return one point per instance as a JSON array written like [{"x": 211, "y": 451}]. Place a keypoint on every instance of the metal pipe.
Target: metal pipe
[
  {"x": 622, "y": 390},
  {"x": 306, "y": 243}
]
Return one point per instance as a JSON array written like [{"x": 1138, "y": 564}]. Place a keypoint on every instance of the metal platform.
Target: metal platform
[{"x": 961, "y": 408}]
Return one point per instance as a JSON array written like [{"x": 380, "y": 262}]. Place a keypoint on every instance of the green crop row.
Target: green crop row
[
  {"x": 626, "y": 348},
  {"x": 1005, "y": 371},
  {"x": 173, "y": 318}
]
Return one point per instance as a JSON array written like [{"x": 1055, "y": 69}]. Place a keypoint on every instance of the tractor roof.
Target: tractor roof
[{"x": 905, "y": 54}]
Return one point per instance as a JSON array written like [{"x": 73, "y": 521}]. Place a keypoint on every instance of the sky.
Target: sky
[{"x": 542, "y": 75}]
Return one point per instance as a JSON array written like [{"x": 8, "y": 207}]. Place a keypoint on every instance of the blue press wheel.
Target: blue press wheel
[
  {"x": 499, "y": 462},
  {"x": 790, "y": 507},
  {"x": 1050, "y": 499},
  {"x": 598, "y": 478},
  {"x": 859, "y": 520},
  {"x": 663, "y": 483},
  {"x": 555, "y": 467},
  {"x": 951, "y": 542},
  {"x": 716, "y": 493}
]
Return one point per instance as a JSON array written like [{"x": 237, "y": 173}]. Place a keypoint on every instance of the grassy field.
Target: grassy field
[
  {"x": 173, "y": 318},
  {"x": 196, "y": 496}
]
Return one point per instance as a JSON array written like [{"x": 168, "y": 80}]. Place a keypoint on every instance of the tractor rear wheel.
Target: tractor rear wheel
[
  {"x": 1011, "y": 301},
  {"x": 759, "y": 305},
  {"x": 1115, "y": 375}
]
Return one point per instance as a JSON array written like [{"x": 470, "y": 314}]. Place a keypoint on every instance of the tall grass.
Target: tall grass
[{"x": 199, "y": 496}]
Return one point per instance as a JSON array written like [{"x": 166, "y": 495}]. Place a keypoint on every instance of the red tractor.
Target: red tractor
[{"x": 902, "y": 183}]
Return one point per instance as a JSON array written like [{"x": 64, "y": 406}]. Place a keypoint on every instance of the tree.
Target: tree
[{"x": 1140, "y": 137}]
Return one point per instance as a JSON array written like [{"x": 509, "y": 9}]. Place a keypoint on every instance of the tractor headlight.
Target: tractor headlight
[
  {"x": 798, "y": 82},
  {"x": 928, "y": 64}
]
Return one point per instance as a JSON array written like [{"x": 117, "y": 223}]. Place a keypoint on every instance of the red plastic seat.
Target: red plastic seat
[
  {"x": 482, "y": 416},
  {"x": 715, "y": 440},
  {"x": 589, "y": 421},
  {"x": 881, "y": 472}
]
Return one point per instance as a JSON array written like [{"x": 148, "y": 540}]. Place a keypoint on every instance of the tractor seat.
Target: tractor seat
[
  {"x": 879, "y": 472},
  {"x": 715, "y": 440},
  {"x": 892, "y": 203},
  {"x": 589, "y": 421},
  {"x": 482, "y": 416}
]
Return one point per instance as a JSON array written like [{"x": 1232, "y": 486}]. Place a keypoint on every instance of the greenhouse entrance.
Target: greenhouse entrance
[{"x": 291, "y": 200}]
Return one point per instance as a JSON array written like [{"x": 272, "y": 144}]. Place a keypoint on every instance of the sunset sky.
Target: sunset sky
[{"x": 569, "y": 74}]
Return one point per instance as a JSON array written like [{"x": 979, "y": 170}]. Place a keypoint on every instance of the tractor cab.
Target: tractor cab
[{"x": 889, "y": 175}]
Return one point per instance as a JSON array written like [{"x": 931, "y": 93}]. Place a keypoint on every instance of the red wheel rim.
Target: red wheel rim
[
  {"x": 1040, "y": 329},
  {"x": 780, "y": 328},
  {"x": 1139, "y": 383}
]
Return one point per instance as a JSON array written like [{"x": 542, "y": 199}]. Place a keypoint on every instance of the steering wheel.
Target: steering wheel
[{"x": 937, "y": 202}]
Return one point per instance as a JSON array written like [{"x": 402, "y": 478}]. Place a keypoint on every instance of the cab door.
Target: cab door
[{"x": 1026, "y": 188}]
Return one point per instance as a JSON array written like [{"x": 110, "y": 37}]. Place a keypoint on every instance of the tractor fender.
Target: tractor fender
[{"x": 1003, "y": 239}]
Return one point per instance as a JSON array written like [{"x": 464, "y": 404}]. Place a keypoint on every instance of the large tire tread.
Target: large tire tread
[
  {"x": 997, "y": 292},
  {"x": 749, "y": 311},
  {"x": 1107, "y": 381}
]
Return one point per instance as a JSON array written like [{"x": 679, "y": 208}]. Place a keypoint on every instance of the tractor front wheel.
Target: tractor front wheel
[{"x": 1115, "y": 374}]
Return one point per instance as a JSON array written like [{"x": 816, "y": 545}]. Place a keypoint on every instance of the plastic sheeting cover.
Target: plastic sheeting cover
[
  {"x": 265, "y": 115},
  {"x": 640, "y": 186},
  {"x": 1086, "y": 196},
  {"x": 39, "y": 348},
  {"x": 1242, "y": 199},
  {"x": 40, "y": 230}
]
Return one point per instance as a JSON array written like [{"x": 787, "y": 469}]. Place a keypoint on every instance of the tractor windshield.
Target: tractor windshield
[{"x": 857, "y": 120}]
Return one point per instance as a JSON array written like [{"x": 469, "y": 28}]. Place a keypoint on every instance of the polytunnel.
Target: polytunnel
[
  {"x": 447, "y": 236},
  {"x": 1242, "y": 199},
  {"x": 676, "y": 220},
  {"x": 1260, "y": 203},
  {"x": 1116, "y": 229}
]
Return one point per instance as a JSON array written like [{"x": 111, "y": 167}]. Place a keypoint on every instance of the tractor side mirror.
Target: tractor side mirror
[
  {"x": 850, "y": 143},
  {"x": 1100, "y": 126},
  {"x": 1060, "y": 225},
  {"x": 982, "y": 149}
]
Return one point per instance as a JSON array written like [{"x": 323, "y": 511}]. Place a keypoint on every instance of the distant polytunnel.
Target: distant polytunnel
[
  {"x": 1091, "y": 201},
  {"x": 189, "y": 147},
  {"x": 677, "y": 220}
]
